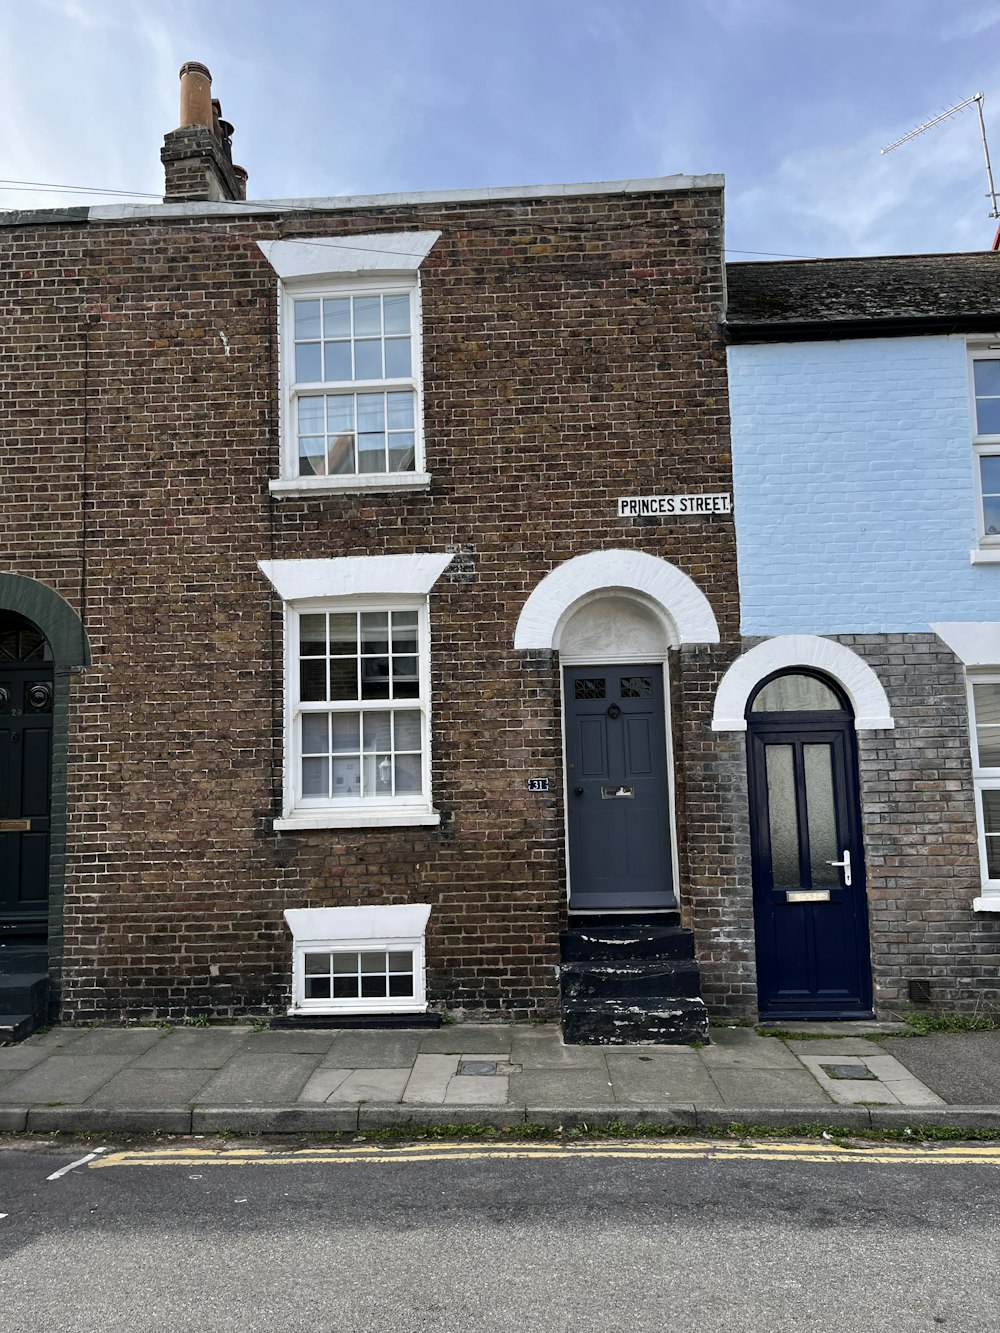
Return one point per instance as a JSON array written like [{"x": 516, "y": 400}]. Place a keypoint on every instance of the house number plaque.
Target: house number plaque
[{"x": 538, "y": 784}]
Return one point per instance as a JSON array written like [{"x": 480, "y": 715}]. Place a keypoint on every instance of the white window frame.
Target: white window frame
[
  {"x": 301, "y": 812},
  {"x": 984, "y": 779},
  {"x": 290, "y": 483},
  {"x": 983, "y": 445},
  {"x": 359, "y": 930}
]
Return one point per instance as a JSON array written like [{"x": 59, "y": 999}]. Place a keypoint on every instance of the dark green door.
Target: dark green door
[
  {"x": 616, "y": 789},
  {"x": 26, "y": 686}
]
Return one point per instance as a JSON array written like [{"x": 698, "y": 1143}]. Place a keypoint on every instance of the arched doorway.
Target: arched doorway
[
  {"x": 26, "y": 711},
  {"x": 810, "y": 907},
  {"x": 619, "y": 789}
]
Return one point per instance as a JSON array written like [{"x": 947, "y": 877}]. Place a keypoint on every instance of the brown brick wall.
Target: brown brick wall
[{"x": 571, "y": 355}]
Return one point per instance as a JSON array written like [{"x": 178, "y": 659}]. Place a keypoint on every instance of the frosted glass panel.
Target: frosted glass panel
[
  {"x": 781, "y": 816},
  {"x": 795, "y": 694},
  {"x": 821, "y": 816}
]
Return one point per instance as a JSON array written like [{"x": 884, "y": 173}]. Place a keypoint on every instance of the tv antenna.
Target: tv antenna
[{"x": 976, "y": 98}]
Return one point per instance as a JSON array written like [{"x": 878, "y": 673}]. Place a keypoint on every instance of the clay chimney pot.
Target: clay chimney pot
[{"x": 196, "y": 95}]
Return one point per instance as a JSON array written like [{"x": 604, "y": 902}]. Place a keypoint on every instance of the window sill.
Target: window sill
[
  {"x": 298, "y": 488},
  {"x": 985, "y": 555},
  {"x": 990, "y": 902},
  {"x": 358, "y": 1008},
  {"x": 333, "y": 819}
]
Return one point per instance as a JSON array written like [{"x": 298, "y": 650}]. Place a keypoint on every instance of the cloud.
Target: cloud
[{"x": 848, "y": 199}]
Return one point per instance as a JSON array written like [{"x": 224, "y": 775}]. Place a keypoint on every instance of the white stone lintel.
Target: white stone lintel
[{"x": 356, "y": 576}]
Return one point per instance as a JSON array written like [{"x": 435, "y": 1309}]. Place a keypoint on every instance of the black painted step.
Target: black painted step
[
  {"x": 673, "y": 1022},
  {"x": 24, "y": 993},
  {"x": 633, "y": 979},
  {"x": 587, "y": 920},
  {"x": 15, "y": 1027},
  {"x": 606, "y": 943},
  {"x": 16, "y": 958}
]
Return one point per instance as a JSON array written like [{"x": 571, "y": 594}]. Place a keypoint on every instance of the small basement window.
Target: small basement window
[{"x": 358, "y": 960}]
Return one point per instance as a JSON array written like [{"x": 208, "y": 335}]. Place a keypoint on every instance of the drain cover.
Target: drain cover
[
  {"x": 848, "y": 1071},
  {"x": 477, "y": 1067}
]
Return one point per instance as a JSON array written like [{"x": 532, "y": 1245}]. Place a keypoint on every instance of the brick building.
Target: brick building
[
  {"x": 865, "y": 402},
  {"x": 314, "y": 576}
]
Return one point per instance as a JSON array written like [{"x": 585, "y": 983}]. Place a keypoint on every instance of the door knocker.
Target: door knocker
[{"x": 614, "y": 711}]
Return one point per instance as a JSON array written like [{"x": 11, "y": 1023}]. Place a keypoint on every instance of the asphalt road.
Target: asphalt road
[{"x": 387, "y": 1244}]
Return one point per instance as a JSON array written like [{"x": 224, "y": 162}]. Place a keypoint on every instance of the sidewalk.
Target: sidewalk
[{"x": 194, "y": 1080}]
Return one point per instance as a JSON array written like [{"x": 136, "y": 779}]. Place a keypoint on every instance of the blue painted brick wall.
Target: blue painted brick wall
[{"x": 854, "y": 487}]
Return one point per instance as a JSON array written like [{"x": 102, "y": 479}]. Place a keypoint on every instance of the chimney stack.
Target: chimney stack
[{"x": 197, "y": 157}]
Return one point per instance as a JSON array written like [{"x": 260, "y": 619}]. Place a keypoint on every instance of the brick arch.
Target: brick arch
[
  {"x": 787, "y": 651},
  {"x": 52, "y": 614},
  {"x": 683, "y": 608}
]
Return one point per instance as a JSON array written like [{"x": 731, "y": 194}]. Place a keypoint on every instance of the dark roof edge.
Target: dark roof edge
[
  {"x": 897, "y": 326},
  {"x": 28, "y": 217}
]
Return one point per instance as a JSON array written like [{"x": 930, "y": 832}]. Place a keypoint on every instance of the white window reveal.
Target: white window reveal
[
  {"x": 986, "y": 445},
  {"x": 350, "y": 337},
  {"x": 357, "y": 691},
  {"x": 358, "y": 960},
  {"x": 984, "y": 711}
]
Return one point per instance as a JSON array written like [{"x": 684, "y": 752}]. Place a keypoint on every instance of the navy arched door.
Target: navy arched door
[{"x": 810, "y": 907}]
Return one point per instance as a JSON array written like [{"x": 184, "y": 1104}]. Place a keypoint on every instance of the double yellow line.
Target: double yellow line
[{"x": 372, "y": 1154}]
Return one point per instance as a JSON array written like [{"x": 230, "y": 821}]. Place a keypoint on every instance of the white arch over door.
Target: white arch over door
[
  {"x": 852, "y": 673},
  {"x": 683, "y": 608}
]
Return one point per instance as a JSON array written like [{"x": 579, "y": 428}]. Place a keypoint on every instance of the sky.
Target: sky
[{"x": 790, "y": 99}]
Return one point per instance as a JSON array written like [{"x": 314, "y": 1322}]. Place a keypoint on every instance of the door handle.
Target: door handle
[
  {"x": 846, "y": 866},
  {"x": 577, "y": 791}
]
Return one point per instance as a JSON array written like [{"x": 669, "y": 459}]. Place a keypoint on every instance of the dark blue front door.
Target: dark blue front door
[
  {"x": 616, "y": 789},
  {"x": 25, "y": 779},
  {"x": 810, "y": 908}
]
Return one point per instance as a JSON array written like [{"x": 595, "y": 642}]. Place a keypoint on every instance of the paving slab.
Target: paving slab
[
  {"x": 129, "y": 1043},
  {"x": 55, "y": 1039},
  {"x": 467, "y": 1039},
  {"x": 307, "y": 1042},
  {"x": 64, "y": 1079},
  {"x": 542, "y": 1048},
  {"x": 149, "y": 1088},
  {"x": 768, "y": 1087},
  {"x": 839, "y": 1027},
  {"x": 322, "y": 1085},
  {"x": 749, "y": 1051},
  {"x": 22, "y": 1056},
  {"x": 561, "y": 1087},
  {"x": 9, "y": 1075},
  {"x": 963, "y": 1068},
  {"x": 258, "y": 1080},
  {"x": 849, "y": 1091},
  {"x": 660, "y": 1080},
  {"x": 470, "y": 1090},
  {"x": 373, "y": 1050},
  {"x": 187, "y": 1049},
  {"x": 428, "y": 1082},
  {"x": 373, "y": 1085},
  {"x": 835, "y": 1047}
]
